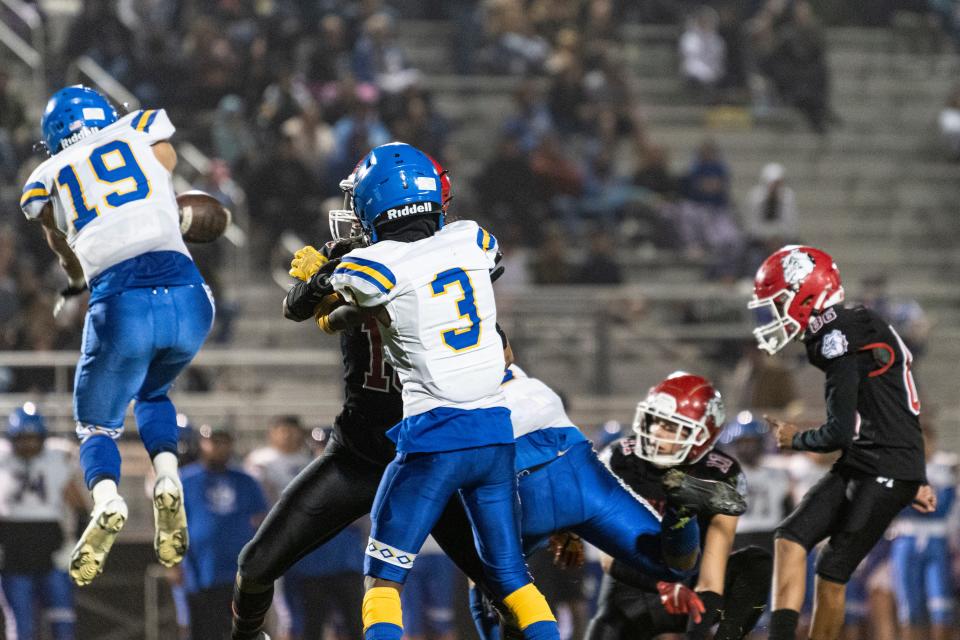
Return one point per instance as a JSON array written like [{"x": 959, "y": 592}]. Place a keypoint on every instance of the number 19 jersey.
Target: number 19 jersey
[
  {"x": 111, "y": 196},
  {"x": 442, "y": 337}
]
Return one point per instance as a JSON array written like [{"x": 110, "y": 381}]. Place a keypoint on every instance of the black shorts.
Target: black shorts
[{"x": 852, "y": 510}]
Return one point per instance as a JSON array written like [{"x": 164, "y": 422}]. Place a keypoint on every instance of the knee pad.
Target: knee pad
[
  {"x": 529, "y": 606},
  {"x": 382, "y": 615}
]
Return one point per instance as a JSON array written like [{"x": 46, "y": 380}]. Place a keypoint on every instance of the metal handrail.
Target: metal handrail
[
  {"x": 30, "y": 53},
  {"x": 99, "y": 76}
]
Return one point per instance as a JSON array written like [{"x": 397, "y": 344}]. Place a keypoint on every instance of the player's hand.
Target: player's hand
[
  {"x": 679, "y": 599},
  {"x": 67, "y": 300},
  {"x": 567, "y": 550},
  {"x": 306, "y": 262},
  {"x": 327, "y": 304},
  {"x": 783, "y": 431},
  {"x": 926, "y": 499}
]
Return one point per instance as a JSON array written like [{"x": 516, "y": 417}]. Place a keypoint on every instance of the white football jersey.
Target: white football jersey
[
  {"x": 32, "y": 490},
  {"x": 111, "y": 196},
  {"x": 768, "y": 489},
  {"x": 442, "y": 338},
  {"x": 533, "y": 405}
]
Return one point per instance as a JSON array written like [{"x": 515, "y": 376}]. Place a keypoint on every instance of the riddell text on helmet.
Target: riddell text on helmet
[{"x": 410, "y": 209}]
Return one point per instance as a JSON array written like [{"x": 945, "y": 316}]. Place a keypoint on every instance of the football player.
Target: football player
[
  {"x": 428, "y": 286},
  {"x": 38, "y": 488},
  {"x": 340, "y": 486},
  {"x": 564, "y": 487},
  {"x": 676, "y": 428},
  {"x": 921, "y": 553},
  {"x": 872, "y": 418},
  {"x": 106, "y": 203}
]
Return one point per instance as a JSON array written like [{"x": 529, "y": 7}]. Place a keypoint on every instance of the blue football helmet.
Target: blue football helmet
[
  {"x": 394, "y": 181},
  {"x": 73, "y": 113},
  {"x": 745, "y": 426},
  {"x": 26, "y": 421}
]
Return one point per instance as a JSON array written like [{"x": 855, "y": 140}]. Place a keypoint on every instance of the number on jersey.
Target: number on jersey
[
  {"x": 113, "y": 163},
  {"x": 466, "y": 337}
]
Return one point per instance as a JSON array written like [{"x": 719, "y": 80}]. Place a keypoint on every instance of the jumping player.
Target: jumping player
[
  {"x": 872, "y": 418},
  {"x": 106, "y": 203},
  {"x": 676, "y": 428}
]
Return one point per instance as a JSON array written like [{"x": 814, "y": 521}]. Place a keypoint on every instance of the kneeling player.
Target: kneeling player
[
  {"x": 564, "y": 486},
  {"x": 872, "y": 417},
  {"x": 676, "y": 428}
]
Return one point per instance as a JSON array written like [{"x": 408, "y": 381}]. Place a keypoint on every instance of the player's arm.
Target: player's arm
[
  {"x": 347, "y": 316},
  {"x": 58, "y": 243},
  {"x": 713, "y": 572},
  {"x": 165, "y": 154},
  {"x": 843, "y": 383}
]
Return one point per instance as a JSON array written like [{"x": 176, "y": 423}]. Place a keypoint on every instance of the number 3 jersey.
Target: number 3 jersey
[
  {"x": 115, "y": 201},
  {"x": 442, "y": 337},
  {"x": 872, "y": 403}
]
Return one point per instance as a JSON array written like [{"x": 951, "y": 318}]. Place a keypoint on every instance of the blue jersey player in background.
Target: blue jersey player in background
[
  {"x": 428, "y": 285},
  {"x": 106, "y": 203}
]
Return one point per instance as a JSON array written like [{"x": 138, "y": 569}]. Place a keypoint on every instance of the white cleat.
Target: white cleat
[
  {"x": 171, "y": 539},
  {"x": 106, "y": 521}
]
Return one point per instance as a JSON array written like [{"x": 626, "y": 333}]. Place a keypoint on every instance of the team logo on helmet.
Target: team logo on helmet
[
  {"x": 715, "y": 409},
  {"x": 797, "y": 265}
]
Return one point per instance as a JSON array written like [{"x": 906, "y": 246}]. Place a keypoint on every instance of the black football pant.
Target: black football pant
[
  {"x": 333, "y": 491},
  {"x": 628, "y": 613}
]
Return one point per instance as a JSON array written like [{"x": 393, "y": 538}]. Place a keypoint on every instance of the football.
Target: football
[{"x": 202, "y": 217}]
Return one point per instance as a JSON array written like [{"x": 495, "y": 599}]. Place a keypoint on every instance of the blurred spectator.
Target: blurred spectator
[
  {"x": 551, "y": 265},
  {"x": 214, "y": 63},
  {"x": 40, "y": 490},
  {"x": 100, "y": 33},
  {"x": 601, "y": 265},
  {"x": 798, "y": 66},
  {"x": 905, "y": 314},
  {"x": 703, "y": 52},
  {"x": 708, "y": 179},
  {"x": 312, "y": 139},
  {"x": 283, "y": 100},
  {"x": 531, "y": 120},
  {"x": 286, "y": 453},
  {"x": 378, "y": 58},
  {"x": 328, "y": 56},
  {"x": 512, "y": 46},
  {"x": 770, "y": 218},
  {"x": 654, "y": 172},
  {"x": 568, "y": 95},
  {"x": 280, "y": 189},
  {"x": 416, "y": 122},
  {"x": 360, "y": 130},
  {"x": 769, "y": 498},
  {"x": 949, "y": 122},
  {"x": 507, "y": 193},
  {"x": 428, "y": 595},
  {"x": 922, "y": 555},
  {"x": 225, "y": 506},
  {"x": 233, "y": 137}
]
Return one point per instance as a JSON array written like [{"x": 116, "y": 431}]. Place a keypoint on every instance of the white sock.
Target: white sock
[
  {"x": 165, "y": 464},
  {"x": 104, "y": 491}
]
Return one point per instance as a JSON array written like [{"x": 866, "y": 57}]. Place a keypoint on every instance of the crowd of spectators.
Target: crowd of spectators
[{"x": 284, "y": 97}]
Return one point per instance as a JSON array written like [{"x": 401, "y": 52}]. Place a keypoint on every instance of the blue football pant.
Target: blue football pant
[
  {"x": 135, "y": 344},
  {"x": 413, "y": 493},
  {"x": 577, "y": 493},
  {"x": 50, "y": 592},
  {"x": 921, "y": 580}
]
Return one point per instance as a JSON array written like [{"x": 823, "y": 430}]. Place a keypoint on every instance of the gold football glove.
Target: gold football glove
[
  {"x": 322, "y": 311},
  {"x": 306, "y": 262}
]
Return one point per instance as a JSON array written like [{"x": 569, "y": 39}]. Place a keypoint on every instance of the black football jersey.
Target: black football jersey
[
  {"x": 644, "y": 477},
  {"x": 872, "y": 403},
  {"x": 372, "y": 402}
]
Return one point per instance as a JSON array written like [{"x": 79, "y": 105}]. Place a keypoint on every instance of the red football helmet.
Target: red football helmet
[
  {"x": 793, "y": 283},
  {"x": 679, "y": 421}
]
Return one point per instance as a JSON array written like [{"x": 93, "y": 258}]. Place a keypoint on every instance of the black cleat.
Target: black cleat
[{"x": 702, "y": 496}]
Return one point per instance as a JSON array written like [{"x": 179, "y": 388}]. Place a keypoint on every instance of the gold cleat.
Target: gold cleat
[
  {"x": 88, "y": 557},
  {"x": 171, "y": 539}
]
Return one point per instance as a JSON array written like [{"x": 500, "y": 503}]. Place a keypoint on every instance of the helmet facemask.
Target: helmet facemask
[
  {"x": 344, "y": 223},
  {"x": 778, "y": 332},
  {"x": 664, "y": 437}
]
